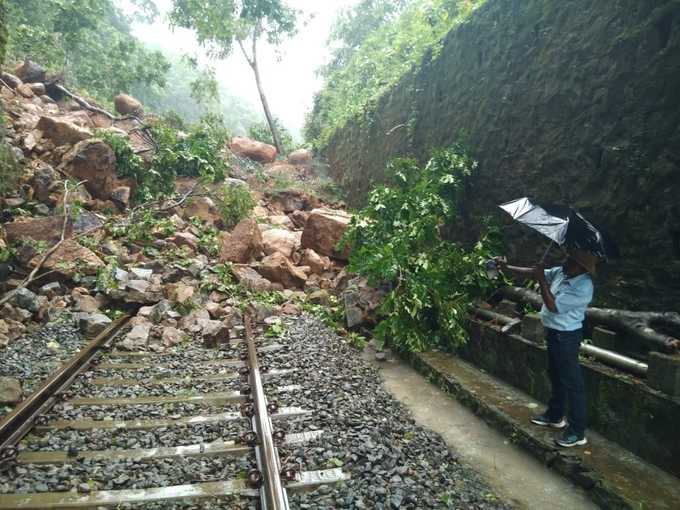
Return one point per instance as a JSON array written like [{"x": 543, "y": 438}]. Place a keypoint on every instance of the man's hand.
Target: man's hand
[
  {"x": 538, "y": 272},
  {"x": 501, "y": 262}
]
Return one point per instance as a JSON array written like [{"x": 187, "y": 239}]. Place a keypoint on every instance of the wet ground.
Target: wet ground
[{"x": 514, "y": 475}]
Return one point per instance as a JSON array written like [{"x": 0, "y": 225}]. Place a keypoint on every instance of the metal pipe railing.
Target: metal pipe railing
[
  {"x": 605, "y": 356},
  {"x": 272, "y": 492}
]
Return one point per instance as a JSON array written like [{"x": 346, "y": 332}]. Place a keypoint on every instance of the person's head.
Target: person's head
[{"x": 579, "y": 262}]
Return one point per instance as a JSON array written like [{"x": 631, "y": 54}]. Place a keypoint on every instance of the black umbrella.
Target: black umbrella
[{"x": 564, "y": 226}]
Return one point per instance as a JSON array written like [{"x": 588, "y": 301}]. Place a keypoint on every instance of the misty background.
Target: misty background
[{"x": 288, "y": 71}]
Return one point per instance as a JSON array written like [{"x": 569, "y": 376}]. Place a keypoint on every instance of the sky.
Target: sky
[{"x": 288, "y": 74}]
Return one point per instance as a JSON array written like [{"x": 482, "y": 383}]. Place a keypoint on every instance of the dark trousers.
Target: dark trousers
[{"x": 566, "y": 378}]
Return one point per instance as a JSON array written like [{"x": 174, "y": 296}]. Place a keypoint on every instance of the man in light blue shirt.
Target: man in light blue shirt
[{"x": 567, "y": 291}]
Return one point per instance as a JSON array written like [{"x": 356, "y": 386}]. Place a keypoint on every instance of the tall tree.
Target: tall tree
[{"x": 219, "y": 24}]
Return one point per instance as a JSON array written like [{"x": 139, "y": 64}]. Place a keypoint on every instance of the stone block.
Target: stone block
[
  {"x": 663, "y": 373},
  {"x": 605, "y": 338},
  {"x": 532, "y": 328}
]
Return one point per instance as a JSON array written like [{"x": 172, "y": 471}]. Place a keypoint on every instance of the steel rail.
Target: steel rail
[
  {"x": 272, "y": 492},
  {"x": 17, "y": 423}
]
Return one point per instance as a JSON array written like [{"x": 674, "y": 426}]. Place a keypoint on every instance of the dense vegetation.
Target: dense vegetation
[
  {"x": 377, "y": 42},
  {"x": 89, "y": 41},
  {"x": 396, "y": 240}
]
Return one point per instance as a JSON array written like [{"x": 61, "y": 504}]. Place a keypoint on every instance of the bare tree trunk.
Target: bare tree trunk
[
  {"x": 265, "y": 105},
  {"x": 641, "y": 325}
]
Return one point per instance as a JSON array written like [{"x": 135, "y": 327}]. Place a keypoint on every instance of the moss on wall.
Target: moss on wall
[{"x": 573, "y": 102}]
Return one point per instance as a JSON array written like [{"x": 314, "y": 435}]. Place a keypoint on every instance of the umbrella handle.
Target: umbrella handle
[{"x": 545, "y": 255}]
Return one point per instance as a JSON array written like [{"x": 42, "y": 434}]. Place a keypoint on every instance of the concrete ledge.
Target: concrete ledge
[
  {"x": 621, "y": 407},
  {"x": 613, "y": 477}
]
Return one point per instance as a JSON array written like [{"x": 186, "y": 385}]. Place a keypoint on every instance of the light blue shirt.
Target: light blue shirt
[{"x": 572, "y": 297}]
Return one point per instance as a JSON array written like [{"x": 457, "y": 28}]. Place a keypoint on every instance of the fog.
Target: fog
[{"x": 288, "y": 72}]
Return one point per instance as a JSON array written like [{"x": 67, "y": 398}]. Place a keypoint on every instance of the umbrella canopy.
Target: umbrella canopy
[{"x": 563, "y": 225}]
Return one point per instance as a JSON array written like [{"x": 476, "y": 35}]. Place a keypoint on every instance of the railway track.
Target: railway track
[{"x": 195, "y": 428}]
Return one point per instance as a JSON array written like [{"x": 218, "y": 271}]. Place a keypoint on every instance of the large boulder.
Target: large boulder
[
  {"x": 277, "y": 268},
  {"x": 94, "y": 162},
  {"x": 318, "y": 264},
  {"x": 252, "y": 149},
  {"x": 300, "y": 157},
  {"x": 242, "y": 244},
  {"x": 30, "y": 72},
  {"x": 128, "y": 105},
  {"x": 62, "y": 131},
  {"x": 361, "y": 302},
  {"x": 280, "y": 240},
  {"x": 47, "y": 229},
  {"x": 69, "y": 258},
  {"x": 323, "y": 229},
  {"x": 91, "y": 324}
]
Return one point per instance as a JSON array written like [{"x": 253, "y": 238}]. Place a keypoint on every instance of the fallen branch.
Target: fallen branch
[
  {"x": 82, "y": 102},
  {"x": 640, "y": 325}
]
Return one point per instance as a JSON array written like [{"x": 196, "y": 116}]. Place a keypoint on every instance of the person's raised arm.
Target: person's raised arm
[
  {"x": 547, "y": 295},
  {"x": 535, "y": 273}
]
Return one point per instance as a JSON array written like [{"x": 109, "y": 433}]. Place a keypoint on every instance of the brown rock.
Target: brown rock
[
  {"x": 185, "y": 239},
  {"x": 323, "y": 230},
  {"x": 92, "y": 161},
  {"x": 214, "y": 333},
  {"x": 317, "y": 263},
  {"x": 38, "y": 89},
  {"x": 250, "y": 279},
  {"x": 62, "y": 131},
  {"x": 280, "y": 240},
  {"x": 128, "y": 105},
  {"x": 299, "y": 218},
  {"x": 46, "y": 229},
  {"x": 69, "y": 258},
  {"x": 203, "y": 208},
  {"x": 172, "y": 336},
  {"x": 179, "y": 292},
  {"x": 243, "y": 244},
  {"x": 293, "y": 200},
  {"x": 11, "y": 80},
  {"x": 277, "y": 268},
  {"x": 85, "y": 303},
  {"x": 300, "y": 157},
  {"x": 25, "y": 90},
  {"x": 252, "y": 149}
]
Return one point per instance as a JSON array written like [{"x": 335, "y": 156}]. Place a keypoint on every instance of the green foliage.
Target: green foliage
[
  {"x": 377, "y": 42},
  {"x": 3, "y": 31},
  {"x": 196, "y": 154},
  {"x": 153, "y": 182},
  {"x": 260, "y": 131},
  {"x": 208, "y": 237},
  {"x": 88, "y": 40},
  {"x": 236, "y": 204},
  {"x": 396, "y": 240},
  {"x": 143, "y": 228},
  {"x": 106, "y": 276},
  {"x": 9, "y": 169},
  {"x": 276, "y": 330}
]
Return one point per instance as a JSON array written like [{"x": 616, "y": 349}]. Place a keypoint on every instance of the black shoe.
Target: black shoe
[
  {"x": 544, "y": 421},
  {"x": 570, "y": 439}
]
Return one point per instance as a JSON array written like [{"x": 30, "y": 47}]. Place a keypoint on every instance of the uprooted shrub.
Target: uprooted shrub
[
  {"x": 235, "y": 204},
  {"x": 396, "y": 239}
]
